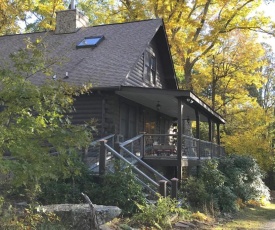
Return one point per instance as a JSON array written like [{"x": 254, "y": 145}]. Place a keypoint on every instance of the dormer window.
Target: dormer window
[
  {"x": 90, "y": 42},
  {"x": 150, "y": 67}
]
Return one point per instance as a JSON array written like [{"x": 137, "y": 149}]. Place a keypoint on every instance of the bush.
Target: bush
[
  {"x": 159, "y": 214},
  {"x": 28, "y": 218},
  {"x": 195, "y": 192},
  {"x": 227, "y": 200},
  {"x": 222, "y": 182},
  {"x": 120, "y": 189},
  {"x": 244, "y": 177},
  {"x": 68, "y": 190}
]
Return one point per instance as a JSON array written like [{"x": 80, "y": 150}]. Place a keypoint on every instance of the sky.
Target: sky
[{"x": 269, "y": 10}]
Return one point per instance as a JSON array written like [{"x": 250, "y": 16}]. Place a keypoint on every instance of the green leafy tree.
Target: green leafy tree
[{"x": 37, "y": 140}]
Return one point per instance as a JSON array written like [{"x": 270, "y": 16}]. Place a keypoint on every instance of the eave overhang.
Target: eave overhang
[{"x": 168, "y": 101}]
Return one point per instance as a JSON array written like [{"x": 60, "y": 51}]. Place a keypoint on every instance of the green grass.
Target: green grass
[{"x": 250, "y": 218}]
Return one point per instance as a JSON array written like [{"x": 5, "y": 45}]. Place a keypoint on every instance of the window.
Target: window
[
  {"x": 150, "y": 67},
  {"x": 90, "y": 42}
]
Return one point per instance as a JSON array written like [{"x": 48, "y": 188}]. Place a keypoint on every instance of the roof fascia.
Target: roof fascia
[{"x": 170, "y": 55}]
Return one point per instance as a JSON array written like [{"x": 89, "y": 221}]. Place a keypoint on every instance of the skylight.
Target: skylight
[{"x": 90, "y": 41}]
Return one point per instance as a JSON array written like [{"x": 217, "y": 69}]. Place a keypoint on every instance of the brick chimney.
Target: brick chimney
[{"x": 68, "y": 21}]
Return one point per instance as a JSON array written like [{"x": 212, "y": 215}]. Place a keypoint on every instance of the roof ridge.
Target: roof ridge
[
  {"x": 100, "y": 25},
  {"x": 121, "y": 23},
  {"x": 24, "y": 34}
]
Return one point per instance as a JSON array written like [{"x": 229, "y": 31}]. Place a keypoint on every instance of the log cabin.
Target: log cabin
[{"x": 134, "y": 92}]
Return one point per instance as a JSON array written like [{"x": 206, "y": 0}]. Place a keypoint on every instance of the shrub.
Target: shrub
[
  {"x": 120, "y": 189},
  {"x": 244, "y": 177},
  {"x": 68, "y": 190},
  {"x": 227, "y": 200},
  {"x": 199, "y": 216},
  {"x": 211, "y": 176},
  {"x": 195, "y": 192},
  {"x": 159, "y": 214},
  {"x": 28, "y": 219},
  {"x": 222, "y": 182}
]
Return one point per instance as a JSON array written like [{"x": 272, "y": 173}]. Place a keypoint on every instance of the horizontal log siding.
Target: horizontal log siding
[
  {"x": 87, "y": 107},
  {"x": 136, "y": 78},
  {"x": 103, "y": 107},
  {"x": 111, "y": 123}
]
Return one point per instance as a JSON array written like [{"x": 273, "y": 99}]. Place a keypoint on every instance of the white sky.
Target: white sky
[{"x": 269, "y": 10}]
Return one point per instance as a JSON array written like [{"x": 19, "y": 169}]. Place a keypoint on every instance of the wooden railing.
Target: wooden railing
[
  {"x": 166, "y": 145},
  {"x": 149, "y": 178}
]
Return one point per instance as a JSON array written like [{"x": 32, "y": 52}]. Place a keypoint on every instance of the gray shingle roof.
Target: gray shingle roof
[{"x": 106, "y": 65}]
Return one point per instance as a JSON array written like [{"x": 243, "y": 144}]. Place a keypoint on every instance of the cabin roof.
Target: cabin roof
[{"x": 106, "y": 64}]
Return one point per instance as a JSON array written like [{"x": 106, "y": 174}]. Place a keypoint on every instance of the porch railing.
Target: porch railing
[{"x": 166, "y": 145}]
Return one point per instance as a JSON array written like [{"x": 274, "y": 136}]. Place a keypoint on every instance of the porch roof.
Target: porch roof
[{"x": 168, "y": 101}]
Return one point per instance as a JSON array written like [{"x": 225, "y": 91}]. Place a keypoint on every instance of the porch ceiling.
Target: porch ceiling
[{"x": 168, "y": 100}]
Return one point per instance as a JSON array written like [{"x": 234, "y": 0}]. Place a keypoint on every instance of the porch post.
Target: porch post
[
  {"x": 209, "y": 130},
  {"x": 179, "y": 138},
  {"x": 142, "y": 143},
  {"x": 218, "y": 139},
  {"x": 174, "y": 192},
  {"x": 198, "y": 131},
  {"x": 218, "y": 134},
  {"x": 210, "y": 136},
  {"x": 163, "y": 188}
]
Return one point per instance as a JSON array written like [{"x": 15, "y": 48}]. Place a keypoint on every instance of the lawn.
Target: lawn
[{"x": 250, "y": 218}]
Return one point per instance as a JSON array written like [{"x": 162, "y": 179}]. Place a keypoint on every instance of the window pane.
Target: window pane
[{"x": 90, "y": 41}]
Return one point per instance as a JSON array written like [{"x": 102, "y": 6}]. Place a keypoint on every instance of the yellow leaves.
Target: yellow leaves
[
  {"x": 248, "y": 133},
  {"x": 48, "y": 9}
]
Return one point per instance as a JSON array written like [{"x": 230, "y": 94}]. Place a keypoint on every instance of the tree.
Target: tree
[
  {"x": 267, "y": 93},
  {"x": 10, "y": 12},
  {"x": 194, "y": 28},
  {"x": 247, "y": 133},
  {"x": 226, "y": 77},
  {"x": 36, "y": 135},
  {"x": 41, "y": 15},
  {"x": 232, "y": 83}
]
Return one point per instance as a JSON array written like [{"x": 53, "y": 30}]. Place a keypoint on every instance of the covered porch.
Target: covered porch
[{"x": 184, "y": 141}]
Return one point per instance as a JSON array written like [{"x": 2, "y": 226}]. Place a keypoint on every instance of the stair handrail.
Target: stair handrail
[
  {"x": 130, "y": 164},
  {"x": 131, "y": 140},
  {"x": 145, "y": 165},
  {"x": 103, "y": 138}
]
